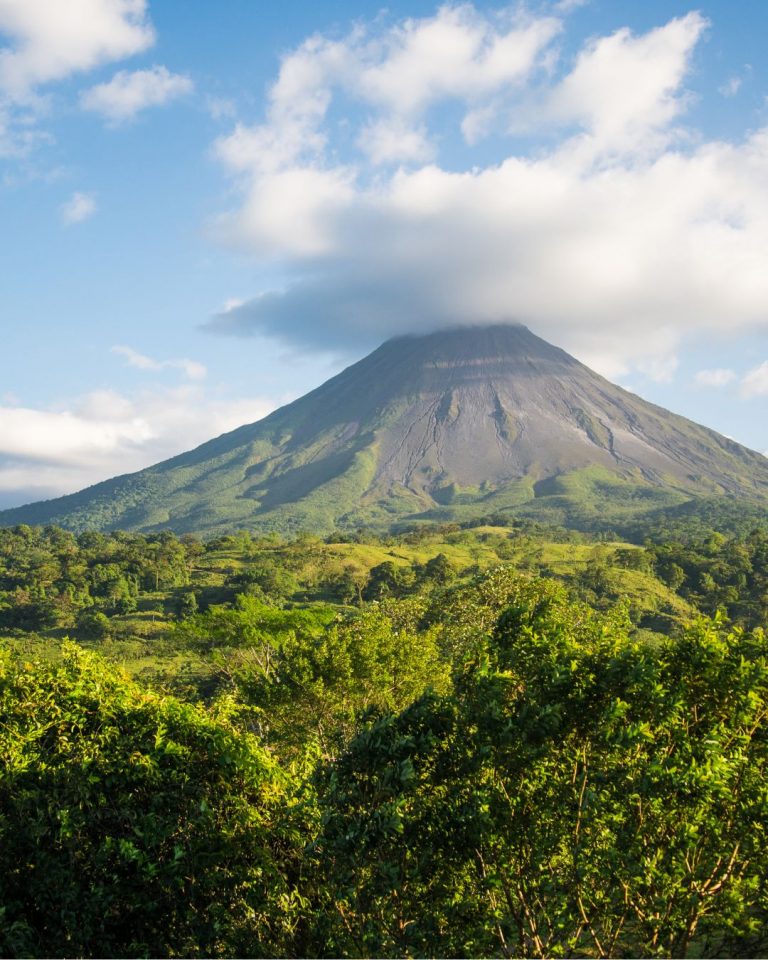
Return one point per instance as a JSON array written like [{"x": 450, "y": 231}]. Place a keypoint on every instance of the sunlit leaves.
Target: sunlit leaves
[{"x": 133, "y": 824}]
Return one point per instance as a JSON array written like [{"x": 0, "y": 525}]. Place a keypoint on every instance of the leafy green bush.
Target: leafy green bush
[
  {"x": 310, "y": 691},
  {"x": 132, "y": 824},
  {"x": 580, "y": 795}
]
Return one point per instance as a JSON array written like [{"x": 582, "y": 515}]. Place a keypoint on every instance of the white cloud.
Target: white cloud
[
  {"x": 755, "y": 383},
  {"x": 623, "y": 237},
  {"x": 391, "y": 140},
  {"x": 457, "y": 54},
  {"x": 48, "y": 452},
  {"x": 661, "y": 368},
  {"x": 192, "y": 369},
  {"x": 79, "y": 207},
  {"x": 719, "y": 377},
  {"x": 64, "y": 437},
  {"x": 292, "y": 210},
  {"x": 566, "y": 6},
  {"x": 51, "y": 39},
  {"x": 396, "y": 74},
  {"x": 231, "y": 303},
  {"x": 19, "y": 134},
  {"x": 731, "y": 87},
  {"x": 46, "y": 41},
  {"x": 625, "y": 89},
  {"x": 130, "y": 92},
  {"x": 220, "y": 108}
]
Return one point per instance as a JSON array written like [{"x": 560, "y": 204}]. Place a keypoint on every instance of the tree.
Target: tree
[
  {"x": 275, "y": 581},
  {"x": 29, "y": 612},
  {"x": 93, "y": 625},
  {"x": 579, "y": 795},
  {"x": 310, "y": 691},
  {"x": 250, "y": 623},
  {"x": 183, "y": 604},
  {"x": 673, "y": 575},
  {"x": 388, "y": 580},
  {"x": 347, "y": 585},
  {"x": 439, "y": 570},
  {"x": 132, "y": 824}
]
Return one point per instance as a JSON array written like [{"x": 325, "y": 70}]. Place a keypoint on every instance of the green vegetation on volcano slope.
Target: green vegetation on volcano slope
[{"x": 592, "y": 499}]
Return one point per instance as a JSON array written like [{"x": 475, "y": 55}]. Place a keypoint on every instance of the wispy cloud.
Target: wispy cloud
[
  {"x": 718, "y": 377},
  {"x": 735, "y": 82},
  {"x": 731, "y": 87},
  {"x": 79, "y": 207},
  {"x": 566, "y": 6},
  {"x": 192, "y": 369},
  {"x": 220, "y": 108},
  {"x": 755, "y": 382},
  {"x": 128, "y": 93}
]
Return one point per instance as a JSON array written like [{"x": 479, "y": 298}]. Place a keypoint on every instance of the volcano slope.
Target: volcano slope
[{"x": 451, "y": 425}]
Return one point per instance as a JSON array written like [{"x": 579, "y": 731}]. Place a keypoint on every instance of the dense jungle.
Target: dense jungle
[{"x": 482, "y": 739}]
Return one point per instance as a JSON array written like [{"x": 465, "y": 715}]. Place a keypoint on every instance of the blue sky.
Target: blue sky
[{"x": 207, "y": 209}]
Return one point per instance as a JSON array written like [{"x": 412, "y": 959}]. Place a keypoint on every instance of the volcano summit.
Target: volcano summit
[{"x": 450, "y": 425}]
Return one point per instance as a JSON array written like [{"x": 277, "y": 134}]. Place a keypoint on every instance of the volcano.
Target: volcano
[{"x": 452, "y": 425}]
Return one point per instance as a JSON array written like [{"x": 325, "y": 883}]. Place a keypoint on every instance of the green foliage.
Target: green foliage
[
  {"x": 718, "y": 572},
  {"x": 580, "y": 795},
  {"x": 402, "y": 745},
  {"x": 132, "y": 824},
  {"x": 250, "y": 623},
  {"x": 388, "y": 580},
  {"x": 310, "y": 690},
  {"x": 92, "y": 625},
  {"x": 184, "y": 605},
  {"x": 438, "y": 570},
  {"x": 48, "y": 577},
  {"x": 273, "y": 580}
]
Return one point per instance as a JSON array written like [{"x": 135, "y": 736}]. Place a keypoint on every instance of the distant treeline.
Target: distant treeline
[{"x": 53, "y": 579}]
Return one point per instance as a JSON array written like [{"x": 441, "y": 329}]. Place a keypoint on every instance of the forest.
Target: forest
[{"x": 491, "y": 738}]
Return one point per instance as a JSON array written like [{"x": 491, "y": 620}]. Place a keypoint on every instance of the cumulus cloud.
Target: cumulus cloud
[
  {"x": 457, "y": 54},
  {"x": 620, "y": 238},
  {"x": 130, "y": 92},
  {"x": 192, "y": 369},
  {"x": 45, "y": 41},
  {"x": 624, "y": 90},
  {"x": 395, "y": 76},
  {"x": 719, "y": 377},
  {"x": 79, "y": 207},
  {"x": 50, "y": 40},
  {"x": 47, "y": 452}
]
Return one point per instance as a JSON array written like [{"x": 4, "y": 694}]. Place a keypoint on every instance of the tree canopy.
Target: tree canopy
[{"x": 466, "y": 759}]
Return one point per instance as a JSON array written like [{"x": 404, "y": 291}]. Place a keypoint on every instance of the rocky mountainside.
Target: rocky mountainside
[{"x": 457, "y": 423}]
